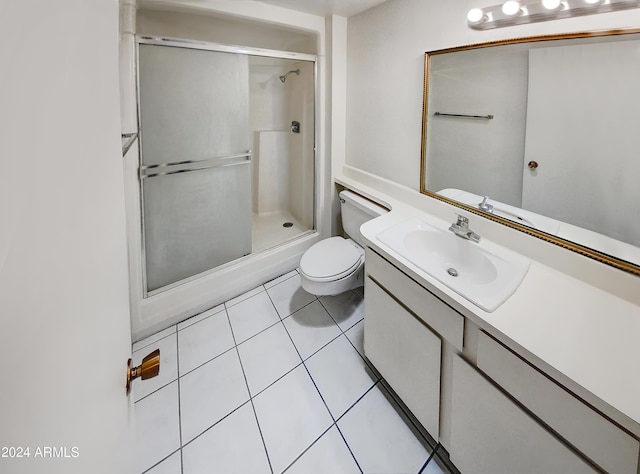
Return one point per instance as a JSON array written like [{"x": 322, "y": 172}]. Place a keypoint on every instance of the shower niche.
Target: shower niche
[{"x": 222, "y": 174}]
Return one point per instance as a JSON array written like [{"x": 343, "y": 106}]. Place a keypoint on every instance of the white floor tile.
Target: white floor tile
[
  {"x": 168, "y": 365},
  {"x": 153, "y": 338},
  {"x": 311, "y": 328},
  {"x": 157, "y": 426},
  {"x": 243, "y": 296},
  {"x": 267, "y": 357},
  {"x": 356, "y": 336},
  {"x": 203, "y": 341},
  {"x": 232, "y": 446},
  {"x": 381, "y": 439},
  {"x": 251, "y": 316},
  {"x": 346, "y": 308},
  {"x": 291, "y": 416},
  {"x": 341, "y": 375},
  {"x": 280, "y": 279},
  {"x": 200, "y": 317},
  {"x": 171, "y": 465},
  {"x": 328, "y": 455},
  {"x": 211, "y": 392},
  {"x": 288, "y": 296}
]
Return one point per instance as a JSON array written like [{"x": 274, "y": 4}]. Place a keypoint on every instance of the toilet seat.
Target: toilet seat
[{"x": 331, "y": 259}]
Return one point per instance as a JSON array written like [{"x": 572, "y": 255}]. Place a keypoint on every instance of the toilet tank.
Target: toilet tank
[{"x": 355, "y": 211}]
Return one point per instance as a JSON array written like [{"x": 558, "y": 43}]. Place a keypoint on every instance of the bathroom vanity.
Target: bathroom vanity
[{"x": 546, "y": 382}]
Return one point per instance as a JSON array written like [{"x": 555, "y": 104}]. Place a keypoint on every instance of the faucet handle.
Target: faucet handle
[{"x": 462, "y": 220}]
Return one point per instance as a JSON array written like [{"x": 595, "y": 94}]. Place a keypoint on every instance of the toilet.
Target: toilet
[{"x": 335, "y": 265}]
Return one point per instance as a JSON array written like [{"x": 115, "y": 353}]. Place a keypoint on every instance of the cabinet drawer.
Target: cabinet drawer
[
  {"x": 490, "y": 434},
  {"x": 406, "y": 353},
  {"x": 590, "y": 433},
  {"x": 438, "y": 315}
]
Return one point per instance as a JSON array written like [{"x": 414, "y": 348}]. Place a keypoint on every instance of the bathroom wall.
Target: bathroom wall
[
  {"x": 217, "y": 28},
  {"x": 386, "y": 46}
]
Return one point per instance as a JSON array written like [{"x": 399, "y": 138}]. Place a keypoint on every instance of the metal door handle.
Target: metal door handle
[
  {"x": 532, "y": 164},
  {"x": 149, "y": 368}
]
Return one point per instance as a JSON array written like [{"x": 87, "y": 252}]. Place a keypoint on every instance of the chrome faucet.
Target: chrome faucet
[
  {"x": 485, "y": 206},
  {"x": 461, "y": 229}
]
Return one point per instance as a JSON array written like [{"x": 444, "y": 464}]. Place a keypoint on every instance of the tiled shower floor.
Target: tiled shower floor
[{"x": 272, "y": 381}]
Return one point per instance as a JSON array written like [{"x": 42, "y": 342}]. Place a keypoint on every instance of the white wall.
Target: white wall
[{"x": 386, "y": 48}]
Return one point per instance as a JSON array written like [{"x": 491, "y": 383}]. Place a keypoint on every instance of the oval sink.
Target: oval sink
[
  {"x": 484, "y": 273},
  {"x": 465, "y": 257}
]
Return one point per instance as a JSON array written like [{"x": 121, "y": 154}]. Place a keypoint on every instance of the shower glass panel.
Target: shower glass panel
[
  {"x": 195, "y": 161},
  {"x": 227, "y": 161}
]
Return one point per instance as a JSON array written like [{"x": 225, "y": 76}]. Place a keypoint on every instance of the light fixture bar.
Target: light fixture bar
[{"x": 531, "y": 11}]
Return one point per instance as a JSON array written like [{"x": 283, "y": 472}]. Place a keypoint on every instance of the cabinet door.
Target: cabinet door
[
  {"x": 406, "y": 353},
  {"x": 491, "y": 434}
]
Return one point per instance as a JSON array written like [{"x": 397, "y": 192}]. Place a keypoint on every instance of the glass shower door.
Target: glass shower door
[{"x": 195, "y": 161}]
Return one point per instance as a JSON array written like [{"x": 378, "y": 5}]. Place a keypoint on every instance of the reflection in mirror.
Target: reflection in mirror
[{"x": 547, "y": 128}]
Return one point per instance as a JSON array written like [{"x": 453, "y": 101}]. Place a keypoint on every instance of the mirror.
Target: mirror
[{"x": 546, "y": 127}]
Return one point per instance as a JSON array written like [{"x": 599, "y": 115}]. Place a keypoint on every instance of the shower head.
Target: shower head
[{"x": 284, "y": 78}]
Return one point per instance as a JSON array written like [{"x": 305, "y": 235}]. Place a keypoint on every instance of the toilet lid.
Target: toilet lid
[{"x": 330, "y": 258}]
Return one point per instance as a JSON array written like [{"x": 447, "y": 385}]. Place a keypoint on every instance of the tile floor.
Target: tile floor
[{"x": 273, "y": 381}]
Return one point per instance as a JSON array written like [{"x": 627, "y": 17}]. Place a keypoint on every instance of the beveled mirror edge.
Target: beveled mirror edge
[{"x": 566, "y": 244}]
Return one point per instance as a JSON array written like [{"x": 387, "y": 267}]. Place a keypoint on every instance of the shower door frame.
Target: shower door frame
[{"x": 224, "y": 48}]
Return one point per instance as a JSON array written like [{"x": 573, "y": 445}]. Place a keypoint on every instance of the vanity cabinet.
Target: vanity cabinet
[
  {"x": 406, "y": 353},
  {"x": 491, "y": 408},
  {"x": 491, "y": 434}
]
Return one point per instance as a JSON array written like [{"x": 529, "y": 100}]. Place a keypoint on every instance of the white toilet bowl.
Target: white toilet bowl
[
  {"x": 332, "y": 266},
  {"x": 335, "y": 265}
]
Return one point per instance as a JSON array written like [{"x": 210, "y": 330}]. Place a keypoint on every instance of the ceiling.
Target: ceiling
[{"x": 326, "y": 7}]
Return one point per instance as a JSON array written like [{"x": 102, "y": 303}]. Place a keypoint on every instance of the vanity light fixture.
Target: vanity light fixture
[
  {"x": 551, "y": 5},
  {"x": 476, "y": 16},
  {"x": 511, "y": 8},
  {"x": 514, "y": 12}
]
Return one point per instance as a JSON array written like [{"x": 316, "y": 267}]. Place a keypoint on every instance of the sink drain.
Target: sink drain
[
  {"x": 452, "y": 271},
  {"x": 287, "y": 224}
]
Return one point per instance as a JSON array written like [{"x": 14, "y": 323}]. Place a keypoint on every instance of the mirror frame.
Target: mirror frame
[{"x": 567, "y": 244}]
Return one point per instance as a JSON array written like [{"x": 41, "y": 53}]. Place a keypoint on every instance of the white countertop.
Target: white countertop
[{"x": 585, "y": 337}]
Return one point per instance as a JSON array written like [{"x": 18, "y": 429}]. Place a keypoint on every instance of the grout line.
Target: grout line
[
  {"x": 349, "y": 447},
  {"x": 164, "y": 459},
  {"x": 255, "y": 414},
  {"x": 431, "y": 456}
]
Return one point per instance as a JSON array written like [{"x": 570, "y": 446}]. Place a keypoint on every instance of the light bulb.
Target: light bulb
[
  {"x": 551, "y": 4},
  {"x": 475, "y": 16},
  {"x": 511, "y": 8}
]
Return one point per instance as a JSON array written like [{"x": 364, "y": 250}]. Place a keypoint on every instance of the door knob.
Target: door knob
[
  {"x": 532, "y": 164},
  {"x": 149, "y": 368}
]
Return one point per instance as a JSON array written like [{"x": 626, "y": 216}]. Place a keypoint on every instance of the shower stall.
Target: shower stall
[{"x": 226, "y": 167}]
